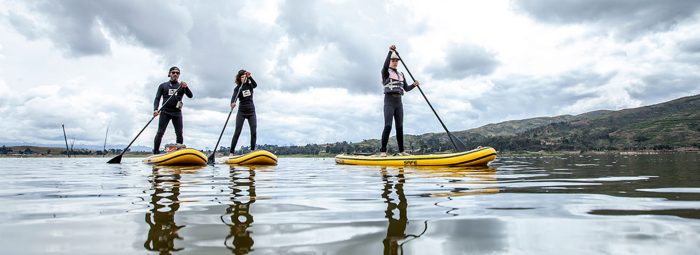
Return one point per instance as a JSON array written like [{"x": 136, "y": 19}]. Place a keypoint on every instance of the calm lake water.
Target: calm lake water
[{"x": 608, "y": 204}]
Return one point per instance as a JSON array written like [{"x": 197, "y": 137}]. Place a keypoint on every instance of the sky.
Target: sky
[{"x": 95, "y": 65}]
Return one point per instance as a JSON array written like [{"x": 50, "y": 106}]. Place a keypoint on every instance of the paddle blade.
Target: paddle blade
[
  {"x": 211, "y": 159},
  {"x": 459, "y": 145},
  {"x": 115, "y": 160}
]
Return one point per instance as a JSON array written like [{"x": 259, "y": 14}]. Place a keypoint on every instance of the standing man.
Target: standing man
[{"x": 172, "y": 107}]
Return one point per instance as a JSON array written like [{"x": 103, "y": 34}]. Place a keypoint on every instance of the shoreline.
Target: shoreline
[{"x": 500, "y": 153}]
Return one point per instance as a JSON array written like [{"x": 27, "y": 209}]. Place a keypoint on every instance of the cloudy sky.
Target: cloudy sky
[{"x": 96, "y": 64}]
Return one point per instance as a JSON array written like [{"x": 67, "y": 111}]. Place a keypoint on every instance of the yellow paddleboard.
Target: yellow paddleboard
[
  {"x": 259, "y": 157},
  {"x": 476, "y": 157},
  {"x": 181, "y": 157}
]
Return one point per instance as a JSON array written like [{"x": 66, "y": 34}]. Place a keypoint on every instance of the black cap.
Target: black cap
[{"x": 173, "y": 68}]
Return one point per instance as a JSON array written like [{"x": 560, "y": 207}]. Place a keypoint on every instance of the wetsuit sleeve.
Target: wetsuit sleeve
[
  {"x": 156, "y": 101},
  {"x": 235, "y": 93},
  {"x": 252, "y": 82},
  {"x": 407, "y": 87},
  {"x": 188, "y": 92},
  {"x": 385, "y": 68}
]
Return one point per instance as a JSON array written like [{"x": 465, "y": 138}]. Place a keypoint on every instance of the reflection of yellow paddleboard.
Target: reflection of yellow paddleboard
[
  {"x": 477, "y": 157},
  {"x": 181, "y": 157},
  {"x": 461, "y": 181},
  {"x": 259, "y": 157}
]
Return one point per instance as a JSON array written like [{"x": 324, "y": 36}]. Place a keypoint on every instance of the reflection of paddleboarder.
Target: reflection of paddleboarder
[
  {"x": 239, "y": 211},
  {"x": 396, "y": 231},
  {"x": 162, "y": 230}
]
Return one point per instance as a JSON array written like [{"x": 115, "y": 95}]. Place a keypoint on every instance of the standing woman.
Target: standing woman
[
  {"x": 244, "y": 90},
  {"x": 171, "y": 110},
  {"x": 394, "y": 87}
]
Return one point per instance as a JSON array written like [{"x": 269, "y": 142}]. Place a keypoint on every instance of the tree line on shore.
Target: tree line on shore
[{"x": 49, "y": 151}]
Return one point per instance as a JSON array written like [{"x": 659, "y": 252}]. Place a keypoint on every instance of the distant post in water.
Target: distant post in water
[
  {"x": 104, "y": 146},
  {"x": 66, "y": 139}
]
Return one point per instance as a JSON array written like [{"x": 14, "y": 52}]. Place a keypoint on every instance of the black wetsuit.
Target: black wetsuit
[
  {"x": 169, "y": 111},
  {"x": 246, "y": 110},
  {"x": 394, "y": 87}
]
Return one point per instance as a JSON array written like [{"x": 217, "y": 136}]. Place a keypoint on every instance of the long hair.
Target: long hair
[{"x": 238, "y": 76}]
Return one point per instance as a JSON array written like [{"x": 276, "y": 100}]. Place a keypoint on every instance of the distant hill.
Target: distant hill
[
  {"x": 673, "y": 125},
  {"x": 514, "y": 127}
]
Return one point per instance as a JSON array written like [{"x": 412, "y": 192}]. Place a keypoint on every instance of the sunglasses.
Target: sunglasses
[{"x": 175, "y": 73}]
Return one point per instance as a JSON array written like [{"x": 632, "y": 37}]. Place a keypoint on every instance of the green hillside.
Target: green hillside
[{"x": 673, "y": 125}]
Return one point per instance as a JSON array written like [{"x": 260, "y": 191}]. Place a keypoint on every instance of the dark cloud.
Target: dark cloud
[
  {"x": 627, "y": 19},
  {"x": 77, "y": 25},
  {"x": 80, "y": 35},
  {"x": 690, "y": 46},
  {"x": 357, "y": 34},
  {"x": 523, "y": 97},
  {"x": 687, "y": 53},
  {"x": 218, "y": 49},
  {"x": 24, "y": 25},
  {"x": 664, "y": 86},
  {"x": 464, "y": 60}
]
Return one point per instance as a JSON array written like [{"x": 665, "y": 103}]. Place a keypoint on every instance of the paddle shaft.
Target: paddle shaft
[
  {"x": 212, "y": 156},
  {"x": 149, "y": 122},
  {"x": 449, "y": 135}
]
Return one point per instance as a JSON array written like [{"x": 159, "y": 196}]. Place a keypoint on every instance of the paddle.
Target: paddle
[
  {"x": 459, "y": 145},
  {"x": 211, "y": 159},
  {"x": 118, "y": 158}
]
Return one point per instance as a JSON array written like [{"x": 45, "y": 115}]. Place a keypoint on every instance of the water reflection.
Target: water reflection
[
  {"x": 452, "y": 182},
  {"x": 239, "y": 239},
  {"x": 461, "y": 181},
  {"x": 162, "y": 228},
  {"x": 473, "y": 231},
  {"x": 396, "y": 211},
  {"x": 396, "y": 230},
  {"x": 544, "y": 205}
]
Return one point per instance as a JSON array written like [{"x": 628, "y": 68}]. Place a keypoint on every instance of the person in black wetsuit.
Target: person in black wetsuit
[
  {"x": 244, "y": 91},
  {"x": 394, "y": 87},
  {"x": 172, "y": 109}
]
